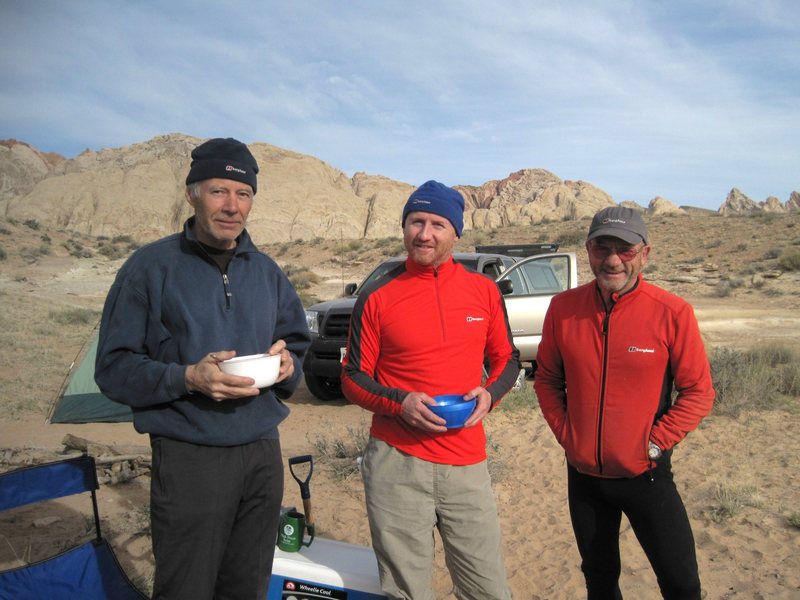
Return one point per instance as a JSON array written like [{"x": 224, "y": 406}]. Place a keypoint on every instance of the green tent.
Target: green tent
[{"x": 82, "y": 401}]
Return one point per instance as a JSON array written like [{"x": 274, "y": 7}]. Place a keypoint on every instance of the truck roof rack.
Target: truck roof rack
[{"x": 518, "y": 250}]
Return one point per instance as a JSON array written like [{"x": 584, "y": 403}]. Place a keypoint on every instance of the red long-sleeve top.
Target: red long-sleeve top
[
  {"x": 604, "y": 378},
  {"x": 424, "y": 329}
]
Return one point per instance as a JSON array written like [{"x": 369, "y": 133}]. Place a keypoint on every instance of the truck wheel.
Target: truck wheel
[{"x": 326, "y": 389}]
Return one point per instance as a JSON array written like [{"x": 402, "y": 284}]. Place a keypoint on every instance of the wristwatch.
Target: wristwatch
[{"x": 653, "y": 451}]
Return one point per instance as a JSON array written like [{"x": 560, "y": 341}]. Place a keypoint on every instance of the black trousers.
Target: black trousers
[
  {"x": 657, "y": 516},
  {"x": 214, "y": 518}
]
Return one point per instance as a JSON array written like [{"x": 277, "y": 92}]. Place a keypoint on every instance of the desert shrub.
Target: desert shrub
[
  {"x": 5, "y": 231},
  {"x": 31, "y": 224},
  {"x": 794, "y": 520},
  {"x": 282, "y": 249},
  {"x": 712, "y": 244},
  {"x": 383, "y": 242},
  {"x": 730, "y": 500},
  {"x": 521, "y": 399},
  {"x": 790, "y": 262},
  {"x": 772, "y": 253},
  {"x": 772, "y": 292},
  {"x": 478, "y": 238},
  {"x": 722, "y": 290},
  {"x": 75, "y": 316},
  {"x": 301, "y": 277},
  {"x": 750, "y": 269},
  {"x": 111, "y": 251},
  {"x": 343, "y": 456},
  {"x": 741, "y": 247},
  {"x": 31, "y": 255},
  {"x": 735, "y": 282},
  {"x": 789, "y": 379},
  {"x": 77, "y": 249},
  {"x": 766, "y": 217},
  {"x": 697, "y": 260},
  {"x": 773, "y": 355},
  {"x": 761, "y": 378},
  {"x": 395, "y": 249},
  {"x": 307, "y": 299},
  {"x": 575, "y": 237},
  {"x": 3, "y": 255}
]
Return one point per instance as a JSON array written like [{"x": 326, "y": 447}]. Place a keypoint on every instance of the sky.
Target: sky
[{"x": 682, "y": 99}]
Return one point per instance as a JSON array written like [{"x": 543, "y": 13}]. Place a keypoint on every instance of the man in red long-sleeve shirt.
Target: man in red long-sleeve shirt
[
  {"x": 611, "y": 352},
  {"x": 422, "y": 330}
]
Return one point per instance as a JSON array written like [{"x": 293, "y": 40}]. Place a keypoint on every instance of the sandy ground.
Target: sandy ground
[
  {"x": 755, "y": 553},
  {"x": 747, "y": 464}
]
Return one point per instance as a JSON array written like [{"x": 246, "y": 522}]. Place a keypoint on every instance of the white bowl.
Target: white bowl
[{"x": 263, "y": 368}]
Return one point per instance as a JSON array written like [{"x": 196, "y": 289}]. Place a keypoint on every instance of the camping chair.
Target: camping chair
[{"x": 89, "y": 571}]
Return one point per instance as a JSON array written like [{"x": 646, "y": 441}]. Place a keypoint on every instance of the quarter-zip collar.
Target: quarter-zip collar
[
  {"x": 443, "y": 270},
  {"x": 243, "y": 243},
  {"x": 616, "y": 297}
]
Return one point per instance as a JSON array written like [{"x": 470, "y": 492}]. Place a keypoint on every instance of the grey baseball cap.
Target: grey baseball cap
[{"x": 619, "y": 222}]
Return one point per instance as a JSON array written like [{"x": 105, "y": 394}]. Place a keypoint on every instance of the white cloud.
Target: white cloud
[{"x": 676, "y": 99}]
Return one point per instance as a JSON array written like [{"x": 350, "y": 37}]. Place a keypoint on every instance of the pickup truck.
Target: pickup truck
[{"x": 528, "y": 276}]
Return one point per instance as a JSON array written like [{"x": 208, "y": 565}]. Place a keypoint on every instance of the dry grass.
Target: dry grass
[{"x": 730, "y": 500}]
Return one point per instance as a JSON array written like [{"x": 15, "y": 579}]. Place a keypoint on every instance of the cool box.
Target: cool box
[{"x": 326, "y": 569}]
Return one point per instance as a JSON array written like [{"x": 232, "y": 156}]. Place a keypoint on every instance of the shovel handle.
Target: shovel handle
[{"x": 305, "y": 493}]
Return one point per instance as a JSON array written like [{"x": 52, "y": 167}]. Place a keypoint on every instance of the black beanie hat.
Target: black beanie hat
[{"x": 223, "y": 158}]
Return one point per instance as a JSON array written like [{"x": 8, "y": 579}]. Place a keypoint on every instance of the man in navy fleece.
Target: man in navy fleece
[{"x": 178, "y": 307}]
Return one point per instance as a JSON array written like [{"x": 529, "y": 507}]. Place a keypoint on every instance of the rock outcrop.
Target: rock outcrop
[
  {"x": 793, "y": 203},
  {"x": 662, "y": 206},
  {"x": 139, "y": 191},
  {"x": 738, "y": 203},
  {"x": 22, "y": 167},
  {"x": 633, "y": 205}
]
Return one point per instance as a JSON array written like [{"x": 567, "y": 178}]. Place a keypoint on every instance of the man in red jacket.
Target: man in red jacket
[
  {"x": 420, "y": 331},
  {"x": 611, "y": 352}
]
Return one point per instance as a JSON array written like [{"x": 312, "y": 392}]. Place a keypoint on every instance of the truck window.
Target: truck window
[
  {"x": 492, "y": 269},
  {"x": 540, "y": 276},
  {"x": 520, "y": 287}
]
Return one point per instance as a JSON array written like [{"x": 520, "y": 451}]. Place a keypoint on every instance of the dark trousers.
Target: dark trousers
[
  {"x": 658, "y": 518},
  {"x": 214, "y": 518}
]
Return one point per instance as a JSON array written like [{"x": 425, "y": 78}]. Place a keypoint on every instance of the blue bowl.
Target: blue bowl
[{"x": 453, "y": 409}]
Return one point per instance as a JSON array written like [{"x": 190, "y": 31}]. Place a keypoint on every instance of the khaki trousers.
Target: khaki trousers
[{"x": 406, "y": 498}]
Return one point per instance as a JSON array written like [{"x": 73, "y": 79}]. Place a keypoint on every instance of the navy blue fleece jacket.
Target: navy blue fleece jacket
[{"x": 168, "y": 307}]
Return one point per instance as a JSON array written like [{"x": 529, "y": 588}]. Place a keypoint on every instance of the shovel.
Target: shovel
[{"x": 305, "y": 492}]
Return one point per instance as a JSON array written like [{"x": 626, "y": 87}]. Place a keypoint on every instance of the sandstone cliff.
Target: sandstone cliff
[
  {"x": 662, "y": 206},
  {"x": 738, "y": 203},
  {"x": 138, "y": 190}
]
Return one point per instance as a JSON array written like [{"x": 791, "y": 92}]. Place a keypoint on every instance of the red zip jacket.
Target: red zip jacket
[
  {"x": 604, "y": 379},
  {"x": 420, "y": 329}
]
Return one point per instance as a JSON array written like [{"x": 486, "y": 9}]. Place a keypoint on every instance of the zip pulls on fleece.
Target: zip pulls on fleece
[
  {"x": 604, "y": 373},
  {"x": 226, "y": 283},
  {"x": 439, "y": 302},
  {"x": 222, "y": 261}
]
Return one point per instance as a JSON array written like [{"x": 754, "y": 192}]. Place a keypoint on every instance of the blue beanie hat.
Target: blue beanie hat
[
  {"x": 223, "y": 158},
  {"x": 437, "y": 198}
]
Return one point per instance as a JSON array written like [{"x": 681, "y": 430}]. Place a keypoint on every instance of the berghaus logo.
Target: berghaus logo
[{"x": 644, "y": 350}]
